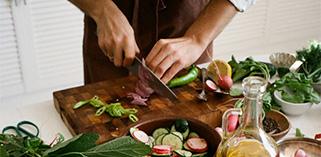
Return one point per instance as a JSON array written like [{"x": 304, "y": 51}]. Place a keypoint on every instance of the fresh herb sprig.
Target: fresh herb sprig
[
  {"x": 113, "y": 109},
  {"x": 250, "y": 67},
  {"x": 296, "y": 88},
  {"x": 311, "y": 58},
  {"x": 82, "y": 145}
]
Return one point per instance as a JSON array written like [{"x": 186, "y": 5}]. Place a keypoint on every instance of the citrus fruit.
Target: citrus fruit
[{"x": 219, "y": 68}]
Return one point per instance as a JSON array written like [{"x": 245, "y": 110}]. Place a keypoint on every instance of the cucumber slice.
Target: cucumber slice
[
  {"x": 172, "y": 140},
  {"x": 183, "y": 153},
  {"x": 131, "y": 130},
  {"x": 159, "y": 131},
  {"x": 180, "y": 135},
  {"x": 193, "y": 135},
  {"x": 158, "y": 140},
  {"x": 150, "y": 142},
  {"x": 160, "y": 155},
  {"x": 185, "y": 134},
  {"x": 200, "y": 155},
  {"x": 173, "y": 128}
]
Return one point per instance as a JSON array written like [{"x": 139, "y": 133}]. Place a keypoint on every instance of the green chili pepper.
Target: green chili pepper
[
  {"x": 185, "y": 79},
  {"x": 101, "y": 110},
  {"x": 132, "y": 118},
  {"x": 96, "y": 102},
  {"x": 80, "y": 104}
]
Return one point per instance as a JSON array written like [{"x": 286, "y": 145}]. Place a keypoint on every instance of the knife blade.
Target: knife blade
[{"x": 153, "y": 81}]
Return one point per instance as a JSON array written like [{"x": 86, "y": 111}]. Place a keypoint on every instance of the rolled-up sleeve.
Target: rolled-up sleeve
[{"x": 242, "y": 5}]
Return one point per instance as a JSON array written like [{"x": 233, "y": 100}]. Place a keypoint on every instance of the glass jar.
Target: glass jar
[{"x": 249, "y": 139}]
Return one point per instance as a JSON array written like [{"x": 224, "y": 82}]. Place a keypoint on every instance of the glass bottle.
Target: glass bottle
[{"x": 249, "y": 139}]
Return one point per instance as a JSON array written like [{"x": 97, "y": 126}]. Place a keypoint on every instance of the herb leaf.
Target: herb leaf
[
  {"x": 79, "y": 143},
  {"x": 250, "y": 67},
  {"x": 120, "y": 147},
  {"x": 298, "y": 133},
  {"x": 296, "y": 88},
  {"x": 311, "y": 58}
]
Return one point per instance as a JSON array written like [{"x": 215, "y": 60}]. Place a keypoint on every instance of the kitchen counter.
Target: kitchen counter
[{"x": 47, "y": 118}]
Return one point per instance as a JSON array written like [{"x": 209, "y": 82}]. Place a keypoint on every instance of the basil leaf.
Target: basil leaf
[{"x": 79, "y": 143}]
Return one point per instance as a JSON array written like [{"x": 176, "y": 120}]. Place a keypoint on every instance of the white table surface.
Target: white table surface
[{"x": 46, "y": 117}]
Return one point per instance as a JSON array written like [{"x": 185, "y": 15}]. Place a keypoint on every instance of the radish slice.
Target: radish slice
[
  {"x": 198, "y": 145},
  {"x": 140, "y": 136},
  {"x": 162, "y": 149},
  {"x": 232, "y": 122},
  {"x": 300, "y": 153},
  {"x": 210, "y": 85},
  {"x": 317, "y": 136}
]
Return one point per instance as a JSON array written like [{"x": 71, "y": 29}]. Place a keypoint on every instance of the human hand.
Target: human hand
[
  {"x": 116, "y": 36},
  {"x": 169, "y": 56}
]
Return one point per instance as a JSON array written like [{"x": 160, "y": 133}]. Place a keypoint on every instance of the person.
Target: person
[{"x": 169, "y": 34}]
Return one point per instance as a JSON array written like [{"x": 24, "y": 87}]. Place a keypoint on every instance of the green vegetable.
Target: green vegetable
[
  {"x": 185, "y": 79},
  {"x": 79, "y": 143},
  {"x": 181, "y": 125},
  {"x": 83, "y": 145},
  {"x": 296, "y": 88},
  {"x": 268, "y": 103},
  {"x": 249, "y": 67},
  {"x": 282, "y": 71},
  {"x": 113, "y": 109},
  {"x": 11, "y": 145},
  {"x": 311, "y": 58},
  {"x": 235, "y": 92},
  {"x": 298, "y": 133}
]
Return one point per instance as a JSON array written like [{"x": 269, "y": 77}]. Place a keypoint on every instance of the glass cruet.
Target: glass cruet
[{"x": 249, "y": 139}]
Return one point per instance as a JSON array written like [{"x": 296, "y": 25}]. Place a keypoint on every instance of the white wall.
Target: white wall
[
  {"x": 271, "y": 26},
  {"x": 45, "y": 64}
]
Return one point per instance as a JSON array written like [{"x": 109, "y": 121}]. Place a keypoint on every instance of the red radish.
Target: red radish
[
  {"x": 140, "y": 136},
  {"x": 317, "y": 136},
  {"x": 186, "y": 146},
  {"x": 162, "y": 149},
  {"x": 210, "y": 85},
  {"x": 232, "y": 124},
  {"x": 225, "y": 82},
  {"x": 219, "y": 131},
  {"x": 300, "y": 153},
  {"x": 198, "y": 145}
]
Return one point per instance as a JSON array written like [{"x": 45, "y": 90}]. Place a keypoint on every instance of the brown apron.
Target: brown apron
[{"x": 151, "y": 20}]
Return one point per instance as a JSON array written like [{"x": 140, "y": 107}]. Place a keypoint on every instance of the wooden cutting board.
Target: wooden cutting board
[{"x": 84, "y": 119}]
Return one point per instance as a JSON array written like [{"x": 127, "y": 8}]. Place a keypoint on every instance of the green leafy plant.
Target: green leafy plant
[
  {"x": 16, "y": 146},
  {"x": 250, "y": 67},
  {"x": 296, "y": 88},
  {"x": 311, "y": 58},
  {"x": 268, "y": 103},
  {"x": 82, "y": 145}
]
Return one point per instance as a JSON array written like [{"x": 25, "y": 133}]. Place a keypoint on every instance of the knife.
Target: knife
[{"x": 153, "y": 81}]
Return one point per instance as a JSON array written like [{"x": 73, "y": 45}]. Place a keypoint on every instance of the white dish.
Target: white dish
[{"x": 290, "y": 108}]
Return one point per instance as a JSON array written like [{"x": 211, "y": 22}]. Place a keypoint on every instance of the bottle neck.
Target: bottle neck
[{"x": 252, "y": 111}]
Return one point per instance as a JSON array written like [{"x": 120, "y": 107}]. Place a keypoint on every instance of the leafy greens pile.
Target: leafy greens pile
[
  {"x": 311, "y": 58},
  {"x": 113, "y": 109},
  {"x": 296, "y": 88},
  {"x": 82, "y": 145},
  {"x": 250, "y": 67}
]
